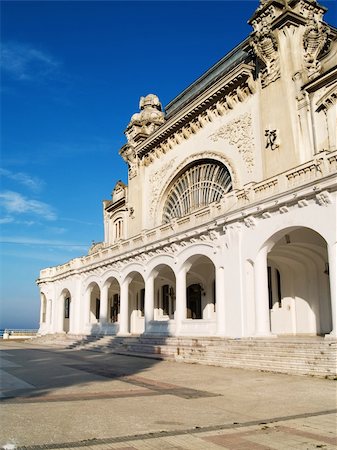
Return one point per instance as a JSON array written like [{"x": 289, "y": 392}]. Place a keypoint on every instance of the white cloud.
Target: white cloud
[
  {"x": 6, "y": 220},
  {"x": 24, "y": 62},
  {"x": 15, "y": 203},
  {"x": 32, "y": 183}
]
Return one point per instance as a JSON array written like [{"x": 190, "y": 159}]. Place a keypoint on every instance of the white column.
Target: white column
[
  {"x": 103, "y": 312},
  {"x": 180, "y": 299},
  {"x": 86, "y": 311},
  {"x": 220, "y": 301},
  {"x": 53, "y": 326},
  {"x": 77, "y": 307},
  {"x": 49, "y": 314},
  {"x": 72, "y": 306},
  {"x": 60, "y": 314},
  {"x": 124, "y": 304},
  {"x": 41, "y": 308},
  {"x": 332, "y": 254},
  {"x": 149, "y": 302},
  {"x": 262, "y": 320}
]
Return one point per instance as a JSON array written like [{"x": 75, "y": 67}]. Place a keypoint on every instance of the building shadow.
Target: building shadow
[{"x": 37, "y": 369}]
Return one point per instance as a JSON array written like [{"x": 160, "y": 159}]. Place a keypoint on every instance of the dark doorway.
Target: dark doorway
[{"x": 194, "y": 301}]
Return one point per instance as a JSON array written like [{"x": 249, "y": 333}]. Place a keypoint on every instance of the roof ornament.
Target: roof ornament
[
  {"x": 265, "y": 47},
  {"x": 141, "y": 126},
  {"x": 148, "y": 120},
  {"x": 315, "y": 40}
]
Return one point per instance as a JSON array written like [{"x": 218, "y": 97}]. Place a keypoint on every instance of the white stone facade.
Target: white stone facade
[{"x": 227, "y": 226}]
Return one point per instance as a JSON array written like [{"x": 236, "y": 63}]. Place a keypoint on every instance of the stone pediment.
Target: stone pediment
[{"x": 118, "y": 197}]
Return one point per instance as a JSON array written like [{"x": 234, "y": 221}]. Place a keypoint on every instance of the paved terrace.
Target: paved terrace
[{"x": 53, "y": 398}]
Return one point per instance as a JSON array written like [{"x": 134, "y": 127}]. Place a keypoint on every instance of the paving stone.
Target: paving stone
[{"x": 159, "y": 404}]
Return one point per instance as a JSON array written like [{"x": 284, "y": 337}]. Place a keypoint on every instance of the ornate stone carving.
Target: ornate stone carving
[
  {"x": 250, "y": 221},
  {"x": 129, "y": 155},
  {"x": 265, "y": 47},
  {"x": 315, "y": 40},
  {"x": 271, "y": 139},
  {"x": 145, "y": 122},
  {"x": 302, "y": 203},
  {"x": 239, "y": 133},
  {"x": 175, "y": 248},
  {"x": 323, "y": 198},
  {"x": 119, "y": 191},
  {"x": 95, "y": 247},
  {"x": 156, "y": 182},
  {"x": 213, "y": 235}
]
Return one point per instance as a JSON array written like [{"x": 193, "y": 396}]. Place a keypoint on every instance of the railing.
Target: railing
[
  {"x": 15, "y": 333},
  {"x": 323, "y": 165}
]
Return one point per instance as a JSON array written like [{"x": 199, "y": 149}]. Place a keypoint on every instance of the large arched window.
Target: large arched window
[{"x": 200, "y": 184}]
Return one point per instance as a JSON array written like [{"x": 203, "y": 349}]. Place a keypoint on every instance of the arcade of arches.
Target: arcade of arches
[{"x": 287, "y": 285}]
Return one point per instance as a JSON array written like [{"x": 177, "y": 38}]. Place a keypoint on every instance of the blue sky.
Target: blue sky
[{"x": 72, "y": 75}]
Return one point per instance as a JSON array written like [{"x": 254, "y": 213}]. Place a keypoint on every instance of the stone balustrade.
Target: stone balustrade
[{"x": 322, "y": 166}]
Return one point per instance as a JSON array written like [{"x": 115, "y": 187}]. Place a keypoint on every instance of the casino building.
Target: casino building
[{"x": 227, "y": 226}]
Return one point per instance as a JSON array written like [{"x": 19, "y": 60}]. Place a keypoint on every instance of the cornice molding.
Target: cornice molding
[
  {"x": 323, "y": 80},
  {"x": 234, "y": 87}
]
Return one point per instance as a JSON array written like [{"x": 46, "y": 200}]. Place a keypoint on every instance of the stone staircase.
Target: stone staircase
[{"x": 293, "y": 355}]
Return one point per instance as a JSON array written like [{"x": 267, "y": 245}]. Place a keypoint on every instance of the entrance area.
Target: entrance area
[
  {"x": 66, "y": 309},
  {"x": 298, "y": 284},
  {"x": 193, "y": 295},
  {"x": 136, "y": 303}
]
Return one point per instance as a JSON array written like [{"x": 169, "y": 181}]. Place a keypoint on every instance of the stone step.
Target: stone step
[
  {"x": 311, "y": 356},
  {"x": 284, "y": 352}
]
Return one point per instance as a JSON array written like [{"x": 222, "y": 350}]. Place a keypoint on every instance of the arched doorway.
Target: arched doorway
[
  {"x": 114, "y": 302},
  {"x": 136, "y": 302},
  {"x": 298, "y": 284},
  {"x": 66, "y": 310},
  {"x": 194, "y": 300},
  {"x": 200, "y": 292},
  {"x": 94, "y": 294},
  {"x": 110, "y": 304},
  {"x": 165, "y": 293}
]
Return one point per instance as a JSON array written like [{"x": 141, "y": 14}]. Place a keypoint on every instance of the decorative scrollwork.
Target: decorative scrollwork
[
  {"x": 239, "y": 133},
  {"x": 315, "y": 40},
  {"x": 265, "y": 47}
]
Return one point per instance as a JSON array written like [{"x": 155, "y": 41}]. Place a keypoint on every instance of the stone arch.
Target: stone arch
[
  {"x": 298, "y": 285},
  {"x": 133, "y": 276},
  {"x": 200, "y": 284},
  {"x": 164, "y": 291},
  {"x": 205, "y": 249},
  {"x": 65, "y": 309},
  {"x": 129, "y": 269},
  {"x": 193, "y": 160},
  {"x": 110, "y": 308},
  {"x": 93, "y": 302},
  {"x": 167, "y": 260},
  {"x": 108, "y": 274},
  {"x": 198, "y": 185},
  {"x": 269, "y": 235},
  {"x": 91, "y": 279}
]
